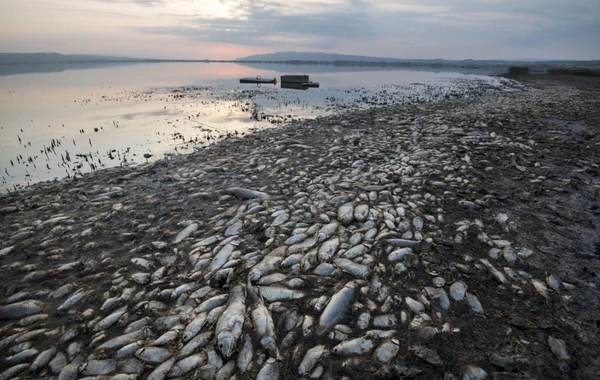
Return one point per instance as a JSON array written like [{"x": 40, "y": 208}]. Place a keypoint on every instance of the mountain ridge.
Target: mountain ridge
[
  {"x": 287, "y": 56},
  {"x": 15, "y": 58}
]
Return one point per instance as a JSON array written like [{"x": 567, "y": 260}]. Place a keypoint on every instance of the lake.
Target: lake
[{"x": 59, "y": 120}]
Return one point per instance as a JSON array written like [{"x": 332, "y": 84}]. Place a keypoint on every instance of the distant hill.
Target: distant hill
[
  {"x": 353, "y": 60},
  {"x": 312, "y": 56},
  {"x": 13, "y": 58}
]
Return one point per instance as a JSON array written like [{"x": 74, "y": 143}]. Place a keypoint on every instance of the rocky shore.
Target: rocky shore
[{"x": 458, "y": 239}]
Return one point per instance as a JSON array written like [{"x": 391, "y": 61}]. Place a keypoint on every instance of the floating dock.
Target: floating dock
[
  {"x": 299, "y": 82},
  {"x": 258, "y": 80}
]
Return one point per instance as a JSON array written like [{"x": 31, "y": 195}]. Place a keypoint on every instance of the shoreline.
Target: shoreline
[{"x": 500, "y": 192}]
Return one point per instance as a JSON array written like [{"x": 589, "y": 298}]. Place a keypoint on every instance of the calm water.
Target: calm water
[{"x": 59, "y": 120}]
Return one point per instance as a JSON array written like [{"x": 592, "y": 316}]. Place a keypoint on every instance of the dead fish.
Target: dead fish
[
  {"x": 399, "y": 254},
  {"x": 540, "y": 287},
  {"x": 554, "y": 282},
  {"x": 311, "y": 358},
  {"x": 186, "y": 365},
  {"x": 211, "y": 303},
  {"x": 279, "y": 293},
  {"x": 21, "y": 309},
  {"x": 336, "y": 308},
  {"x": 229, "y": 326},
  {"x": 13, "y": 371},
  {"x": 160, "y": 372},
  {"x": 356, "y": 346},
  {"x": 42, "y": 360},
  {"x": 361, "y": 212},
  {"x": 414, "y": 305},
  {"x": 558, "y": 347},
  {"x": 129, "y": 350},
  {"x": 263, "y": 324},
  {"x": 22, "y": 235},
  {"x": 122, "y": 340},
  {"x": 269, "y": 371},
  {"x": 349, "y": 266},
  {"x": 401, "y": 243},
  {"x": 98, "y": 367},
  {"x": 426, "y": 354},
  {"x": 153, "y": 355},
  {"x": 5, "y": 251},
  {"x": 185, "y": 233},
  {"x": 458, "y": 290},
  {"x": 328, "y": 249},
  {"x": 109, "y": 320},
  {"x": 234, "y": 228},
  {"x": 246, "y": 193},
  {"x": 194, "y": 327},
  {"x": 356, "y": 251},
  {"x": 345, "y": 214},
  {"x": 499, "y": 276},
  {"x": 245, "y": 355},
  {"x": 206, "y": 242},
  {"x": 471, "y": 372},
  {"x": 196, "y": 343},
  {"x": 473, "y": 301},
  {"x": 21, "y": 357},
  {"x": 168, "y": 337},
  {"x": 71, "y": 301},
  {"x": 221, "y": 257},
  {"x": 387, "y": 351},
  {"x": 327, "y": 231}
]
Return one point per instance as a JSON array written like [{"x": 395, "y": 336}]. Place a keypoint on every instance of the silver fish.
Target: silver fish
[
  {"x": 327, "y": 231},
  {"x": 185, "y": 233},
  {"x": 194, "y": 327},
  {"x": 245, "y": 355},
  {"x": 229, "y": 326},
  {"x": 349, "y": 266},
  {"x": 186, "y": 365},
  {"x": 336, "y": 308},
  {"x": 153, "y": 355},
  {"x": 263, "y": 324},
  {"x": 311, "y": 358},
  {"x": 328, "y": 249},
  {"x": 246, "y": 193},
  {"x": 345, "y": 214},
  {"x": 160, "y": 372},
  {"x": 20, "y": 309},
  {"x": 269, "y": 371},
  {"x": 109, "y": 320},
  {"x": 357, "y": 346}
]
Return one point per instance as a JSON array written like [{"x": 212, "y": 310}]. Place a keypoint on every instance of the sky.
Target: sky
[{"x": 229, "y": 29}]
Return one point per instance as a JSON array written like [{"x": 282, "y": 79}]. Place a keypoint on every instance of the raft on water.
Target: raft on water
[
  {"x": 258, "y": 80},
  {"x": 300, "y": 82}
]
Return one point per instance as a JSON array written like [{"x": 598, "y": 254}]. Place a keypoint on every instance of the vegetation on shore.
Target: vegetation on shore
[
  {"x": 580, "y": 71},
  {"x": 559, "y": 70},
  {"x": 518, "y": 70}
]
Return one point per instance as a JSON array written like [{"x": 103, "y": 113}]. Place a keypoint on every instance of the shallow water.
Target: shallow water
[{"x": 59, "y": 120}]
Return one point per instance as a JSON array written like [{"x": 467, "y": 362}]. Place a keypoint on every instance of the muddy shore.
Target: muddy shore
[{"x": 506, "y": 188}]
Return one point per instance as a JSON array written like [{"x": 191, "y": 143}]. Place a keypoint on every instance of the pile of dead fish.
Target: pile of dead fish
[{"x": 286, "y": 256}]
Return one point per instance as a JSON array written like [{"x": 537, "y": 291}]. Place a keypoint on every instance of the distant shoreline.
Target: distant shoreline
[{"x": 460, "y": 64}]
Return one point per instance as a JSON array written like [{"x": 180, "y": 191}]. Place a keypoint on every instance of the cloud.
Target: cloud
[
  {"x": 393, "y": 28},
  {"x": 264, "y": 23},
  {"x": 147, "y": 3}
]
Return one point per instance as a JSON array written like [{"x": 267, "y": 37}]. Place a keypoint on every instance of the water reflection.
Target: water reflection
[{"x": 63, "y": 123}]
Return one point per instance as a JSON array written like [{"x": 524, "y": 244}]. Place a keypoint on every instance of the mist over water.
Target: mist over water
[{"x": 65, "y": 119}]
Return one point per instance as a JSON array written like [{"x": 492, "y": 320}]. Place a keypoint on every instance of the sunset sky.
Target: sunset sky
[{"x": 228, "y": 29}]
